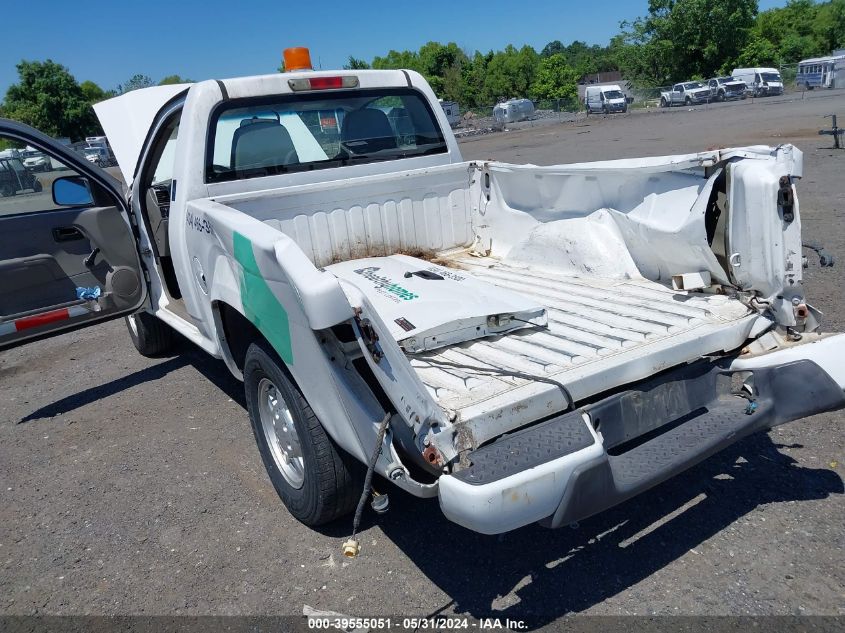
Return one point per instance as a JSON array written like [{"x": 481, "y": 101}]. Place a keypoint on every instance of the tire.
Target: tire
[
  {"x": 720, "y": 96},
  {"x": 663, "y": 102},
  {"x": 7, "y": 191},
  {"x": 37, "y": 187},
  {"x": 152, "y": 337},
  {"x": 688, "y": 101},
  {"x": 315, "y": 480},
  {"x": 605, "y": 111}
]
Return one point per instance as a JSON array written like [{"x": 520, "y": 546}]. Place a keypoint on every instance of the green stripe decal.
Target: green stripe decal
[{"x": 260, "y": 304}]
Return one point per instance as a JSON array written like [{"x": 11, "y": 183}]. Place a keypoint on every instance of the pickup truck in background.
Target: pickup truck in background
[
  {"x": 524, "y": 343},
  {"x": 726, "y": 88},
  {"x": 685, "y": 93}
]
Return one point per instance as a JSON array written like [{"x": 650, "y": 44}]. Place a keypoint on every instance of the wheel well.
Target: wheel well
[{"x": 239, "y": 332}]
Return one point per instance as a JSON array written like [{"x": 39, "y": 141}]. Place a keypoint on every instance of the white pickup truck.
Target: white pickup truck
[
  {"x": 685, "y": 93},
  {"x": 525, "y": 343}
]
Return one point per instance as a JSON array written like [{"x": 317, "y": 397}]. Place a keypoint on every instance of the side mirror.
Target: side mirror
[{"x": 72, "y": 191}]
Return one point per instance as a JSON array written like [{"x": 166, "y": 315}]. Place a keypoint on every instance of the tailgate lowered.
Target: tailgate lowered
[{"x": 426, "y": 306}]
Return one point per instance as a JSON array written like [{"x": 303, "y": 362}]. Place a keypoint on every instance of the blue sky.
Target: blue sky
[{"x": 108, "y": 42}]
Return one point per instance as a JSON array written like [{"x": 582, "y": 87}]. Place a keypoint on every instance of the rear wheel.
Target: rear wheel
[
  {"x": 316, "y": 481},
  {"x": 663, "y": 102},
  {"x": 150, "y": 336}
]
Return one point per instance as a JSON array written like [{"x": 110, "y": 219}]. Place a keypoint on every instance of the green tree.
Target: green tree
[
  {"x": 135, "y": 82},
  {"x": 473, "y": 73},
  {"x": 93, "y": 93},
  {"x": 800, "y": 29},
  {"x": 552, "y": 48},
  {"x": 509, "y": 73},
  {"x": 758, "y": 52},
  {"x": 174, "y": 79},
  {"x": 679, "y": 39},
  {"x": 356, "y": 64},
  {"x": 440, "y": 64},
  {"x": 555, "y": 79},
  {"x": 398, "y": 59},
  {"x": 829, "y": 25},
  {"x": 49, "y": 98}
]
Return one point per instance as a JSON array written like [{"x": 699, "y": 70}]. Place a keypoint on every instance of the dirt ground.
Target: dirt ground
[{"x": 133, "y": 486}]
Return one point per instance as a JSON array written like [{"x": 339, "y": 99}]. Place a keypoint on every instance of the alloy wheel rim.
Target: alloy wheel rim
[{"x": 281, "y": 434}]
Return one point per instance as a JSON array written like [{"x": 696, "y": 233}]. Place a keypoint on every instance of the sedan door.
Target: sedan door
[{"x": 68, "y": 251}]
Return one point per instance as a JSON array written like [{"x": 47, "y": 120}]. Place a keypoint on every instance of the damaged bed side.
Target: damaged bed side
[{"x": 596, "y": 302}]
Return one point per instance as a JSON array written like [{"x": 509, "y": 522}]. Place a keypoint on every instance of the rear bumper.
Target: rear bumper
[{"x": 562, "y": 470}]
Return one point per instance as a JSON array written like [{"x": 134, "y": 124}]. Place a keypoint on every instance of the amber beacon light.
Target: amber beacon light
[{"x": 297, "y": 58}]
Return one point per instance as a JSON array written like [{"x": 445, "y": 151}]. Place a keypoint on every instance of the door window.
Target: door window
[
  {"x": 68, "y": 255},
  {"x": 27, "y": 177}
]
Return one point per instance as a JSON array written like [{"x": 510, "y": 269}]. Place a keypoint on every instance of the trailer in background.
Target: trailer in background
[
  {"x": 452, "y": 111},
  {"x": 513, "y": 110}
]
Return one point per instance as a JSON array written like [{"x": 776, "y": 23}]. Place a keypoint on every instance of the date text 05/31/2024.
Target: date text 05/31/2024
[{"x": 436, "y": 623}]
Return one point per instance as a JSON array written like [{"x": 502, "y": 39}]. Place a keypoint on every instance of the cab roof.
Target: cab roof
[{"x": 127, "y": 119}]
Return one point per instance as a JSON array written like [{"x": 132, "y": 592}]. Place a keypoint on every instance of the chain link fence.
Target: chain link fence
[{"x": 482, "y": 119}]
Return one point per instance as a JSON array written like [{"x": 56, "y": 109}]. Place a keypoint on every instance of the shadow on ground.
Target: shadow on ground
[
  {"x": 539, "y": 575},
  {"x": 187, "y": 354}
]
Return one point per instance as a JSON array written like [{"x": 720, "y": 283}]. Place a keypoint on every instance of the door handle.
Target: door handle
[{"x": 67, "y": 233}]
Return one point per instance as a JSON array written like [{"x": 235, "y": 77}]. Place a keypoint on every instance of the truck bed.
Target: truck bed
[{"x": 601, "y": 333}]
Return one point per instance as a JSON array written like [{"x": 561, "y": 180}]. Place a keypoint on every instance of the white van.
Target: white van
[
  {"x": 605, "y": 99},
  {"x": 761, "y": 82}
]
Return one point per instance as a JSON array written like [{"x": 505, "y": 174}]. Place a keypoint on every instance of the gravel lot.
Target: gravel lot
[{"x": 132, "y": 486}]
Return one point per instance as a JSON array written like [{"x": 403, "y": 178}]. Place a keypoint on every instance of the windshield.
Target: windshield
[
  {"x": 613, "y": 94},
  {"x": 770, "y": 76},
  {"x": 317, "y": 130},
  {"x": 693, "y": 84}
]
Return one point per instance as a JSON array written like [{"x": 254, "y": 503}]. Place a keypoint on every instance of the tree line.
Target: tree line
[
  {"x": 49, "y": 98},
  {"x": 675, "y": 41}
]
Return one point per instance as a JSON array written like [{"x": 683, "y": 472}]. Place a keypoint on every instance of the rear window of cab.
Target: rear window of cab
[{"x": 251, "y": 138}]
